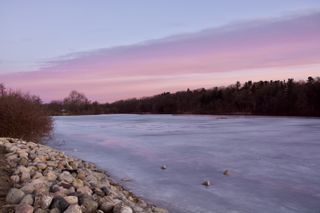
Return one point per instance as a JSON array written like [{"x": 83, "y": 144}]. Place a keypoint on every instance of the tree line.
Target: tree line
[{"x": 287, "y": 97}]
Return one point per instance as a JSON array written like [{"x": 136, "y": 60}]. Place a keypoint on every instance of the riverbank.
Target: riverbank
[
  {"x": 4, "y": 177},
  {"x": 46, "y": 180}
]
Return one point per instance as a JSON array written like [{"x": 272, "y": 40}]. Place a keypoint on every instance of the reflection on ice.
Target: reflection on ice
[{"x": 253, "y": 164}]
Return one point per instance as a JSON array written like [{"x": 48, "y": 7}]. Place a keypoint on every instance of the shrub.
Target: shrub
[{"x": 23, "y": 116}]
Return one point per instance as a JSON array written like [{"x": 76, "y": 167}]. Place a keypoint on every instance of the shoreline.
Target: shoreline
[
  {"x": 191, "y": 114},
  {"x": 44, "y": 179}
]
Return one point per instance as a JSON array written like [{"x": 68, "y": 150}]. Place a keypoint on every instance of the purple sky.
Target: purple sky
[{"x": 260, "y": 48}]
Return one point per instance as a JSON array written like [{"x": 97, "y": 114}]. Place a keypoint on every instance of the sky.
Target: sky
[{"x": 112, "y": 50}]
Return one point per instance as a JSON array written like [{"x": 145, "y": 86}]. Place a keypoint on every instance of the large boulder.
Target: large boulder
[
  {"x": 28, "y": 199},
  {"x": 23, "y": 208},
  {"x": 14, "y": 196}
]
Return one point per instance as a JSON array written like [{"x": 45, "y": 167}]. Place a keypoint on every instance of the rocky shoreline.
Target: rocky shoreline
[{"x": 44, "y": 180}]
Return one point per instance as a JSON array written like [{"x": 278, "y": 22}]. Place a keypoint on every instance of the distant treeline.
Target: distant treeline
[{"x": 298, "y": 98}]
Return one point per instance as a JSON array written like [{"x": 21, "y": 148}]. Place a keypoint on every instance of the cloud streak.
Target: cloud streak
[{"x": 270, "y": 45}]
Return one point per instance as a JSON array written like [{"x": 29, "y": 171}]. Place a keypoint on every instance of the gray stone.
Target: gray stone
[
  {"x": 206, "y": 183},
  {"x": 40, "y": 211},
  {"x": 73, "y": 209},
  {"x": 105, "y": 190},
  {"x": 89, "y": 205},
  {"x": 55, "y": 210},
  {"x": 25, "y": 176},
  {"x": 107, "y": 207},
  {"x": 66, "y": 176},
  {"x": 28, "y": 199},
  {"x": 23, "y": 161},
  {"x": 59, "y": 203},
  {"x": 122, "y": 209},
  {"x": 14, "y": 196},
  {"x": 28, "y": 188},
  {"x": 23, "y": 208}
]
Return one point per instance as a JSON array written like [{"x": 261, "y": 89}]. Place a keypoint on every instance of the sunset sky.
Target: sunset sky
[{"x": 113, "y": 50}]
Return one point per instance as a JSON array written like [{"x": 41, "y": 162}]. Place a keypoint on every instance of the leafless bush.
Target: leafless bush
[{"x": 23, "y": 116}]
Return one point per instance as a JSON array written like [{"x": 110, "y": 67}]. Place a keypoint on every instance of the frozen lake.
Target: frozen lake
[{"x": 274, "y": 162}]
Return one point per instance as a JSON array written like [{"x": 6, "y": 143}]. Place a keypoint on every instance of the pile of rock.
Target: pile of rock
[{"x": 45, "y": 180}]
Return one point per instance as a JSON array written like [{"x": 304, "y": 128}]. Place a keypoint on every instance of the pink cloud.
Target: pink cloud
[{"x": 171, "y": 63}]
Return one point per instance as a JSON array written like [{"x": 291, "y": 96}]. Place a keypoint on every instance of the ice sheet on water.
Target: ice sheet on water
[{"x": 273, "y": 161}]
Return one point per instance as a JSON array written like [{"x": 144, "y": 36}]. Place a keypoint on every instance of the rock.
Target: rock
[
  {"x": 15, "y": 178},
  {"x": 28, "y": 199},
  {"x": 22, "y": 169},
  {"x": 66, "y": 176},
  {"x": 28, "y": 188},
  {"x": 107, "y": 207},
  {"x": 81, "y": 175},
  {"x": 9, "y": 208},
  {"x": 163, "y": 167},
  {"x": 99, "y": 192},
  {"x": 226, "y": 172},
  {"x": 32, "y": 156},
  {"x": 51, "y": 176},
  {"x": 65, "y": 185},
  {"x": 85, "y": 190},
  {"x": 40, "y": 211},
  {"x": 23, "y": 154},
  {"x": 105, "y": 190},
  {"x": 25, "y": 176},
  {"x": 54, "y": 188},
  {"x": 55, "y": 210},
  {"x": 74, "y": 164},
  {"x": 122, "y": 209},
  {"x": 73, "y": 209},
  {"x": 45, "y": 201},
  {"x": 41, "y": 166},
  {"x": 23, "y": 161},
  {"x": 142, "y": 203},
  {"x": 37, "y": 175},
  {"x": 126, "y": 179},
  {"x": 51, "y": 163},
  {"x": 23, "y": 208},
  {"x": 206, "y": 183},
  {"x": 59, "y": 190},
  {"x": 71, "y": 199},
  {"x": 59, "y": 203},
  {"x": 89, "y": 205},
  {"x": 159, "y": 210},
  {"x": 77, "y": 183},
  {"x": 14, "y": 196},
  {"x": 137, "y": 209}
]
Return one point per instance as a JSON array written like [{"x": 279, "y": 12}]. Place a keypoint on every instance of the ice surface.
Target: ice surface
[{"x": 274, "y": 162}]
